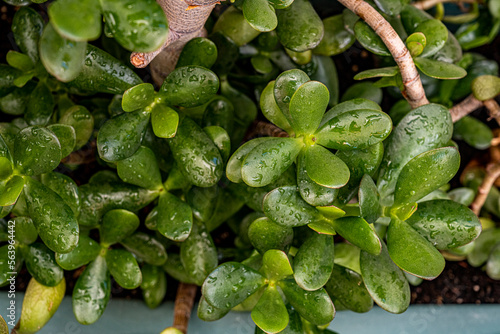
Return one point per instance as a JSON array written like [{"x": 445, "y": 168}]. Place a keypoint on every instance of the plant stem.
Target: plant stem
[
  {"x": 185, "y": 17},
  {"x": 492, "y": 173},
  {"x": 183, "y": 305},
  {"x": 413, "y": 89},
  {"x": 465, "y": 107},
  {"x": 493, "y": 108},
  {"x": 427, "y": 4}
]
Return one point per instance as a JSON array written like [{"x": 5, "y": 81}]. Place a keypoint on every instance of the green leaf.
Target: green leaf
[
  {"x": 92, "y": 291},
  {"x": 199, "y": 51},
  {"x": 124, "y": 268},
  {"x": 311, "y": 192},
  {"x": 10, "y": 190},
  {"x": 385, "y": 282},
  {"x": 233, "y": 25},
  {"x": 265, "y": 235},
  {"x": 7, "y": 77},
  {"x": 493, "y": 264},
  {"x": 285, "y": 86},
  {"x": 138, "y": 97},
  {"x": 100, "y": 197},
  {"x": 219, "y": 112},
  {"x": 411, "y": 252},
  {"x": 173, "y": 266},
  {"x": 76, "y": 20},
  {"x": 141, "y": 169},
  {"x": 276, "y": 265},
  {"x": 369, "y": 200},
  {"x": 203, "y": 201},
  {"x": 86, "y": 250},
  {"x": 313, "y": 262},
  {"x": 438, "y": 69},
  {"x": 270, "y": 313},
  {"x": 222, "y": 288},
  {"x": 425, "y": 173},
  {"x": 486, "y": 87},
  {"x": 175, "y": 218},
  {"x": 324, "y": 168},
  {"x": 198, "y": 253},
  {"x": 165, "y": 121},
  {"x": 474, "y": 132},
  {"x": 19, "y": 60},
  {"x": 27, "y": 27},
  {"x": 16, "y": 102},
  {"x": 267, "y": 161},
  {"x": 261, "y": 64},
  {"x": 190, "y": 86},
  {"x": 196, "y": 155},
  {"x": 153, "y": 286},
  {"x": 53, "y": 218},
  {"x": 41, "y": 264},
  {"x": 412, "y": 136},
  {"x": 346, "y": 286},
  {"x": 369, "y": 39},
  {"x": 390, "y": 7},
  {"x": 82, "y": 121},
  {"x": 483, "y": 246},
  {"x": 299, "y": 26},
  {"x": 6, "y": 266},
  {"x": 61, "y": 57},
  {"x": 284, "y": 206},
  {"x": 207, "y": 312},
  {"x": 233, "y": 168},
  {"x": 25, "y": 230},
  {"x": 358, "y": 232},
  {"x": 40, "y": 106},
  {"x": 66, "y": 136},
  {"x": 314, "y": 306},
  {"x": 39, "y": 305},
  {"x": 366, "y": 90},
  {"x": 65, "y": 187},
  {"x": 446, "y": 224},
  {"x": 451, "y": 52},
  {"x": 139, "y": 26},
  {"x": 102, "y": 73},
  {"x": 260, "y": 14},
  {"x": 146, "y": 247},
  {"x": 356, "y": 129},
  {"x": 117, "y": 225},
  {"x": 306, "y": 113},
  {"x": 221, "y": 139},
  {"x": 271, "y": 110},
  {"x": 5, "y": 168},
  {"x": 350, "y": 105},
  {"x": 436, "y": 36},
  {"x": 120, "y": 137},
  {"x": 280, "y": 4},
  {"x": 377, "y": 72},
  {"x": 336, "y": 39}
]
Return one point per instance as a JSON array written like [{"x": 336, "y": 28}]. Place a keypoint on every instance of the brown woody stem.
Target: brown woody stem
[
  {"x": 413, "y": 89},
  {"x": 427, "y": 4},
  {"x": 264, "y": 129},
  {"x": 465, "y": 107},
  {"x": 184, "y": 301},
  {"x": 492, "y": 173},
  {"x": 493, "y": 108}
]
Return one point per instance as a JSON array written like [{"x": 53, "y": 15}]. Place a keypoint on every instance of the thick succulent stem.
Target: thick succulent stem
[
  {"x": 492, "y": 173},
  {"x": 464, "y": 108},
  {"x": 185, "y": 18},
  {"x": 413, "y": 89},
  {"x": 184, "y": 301}
]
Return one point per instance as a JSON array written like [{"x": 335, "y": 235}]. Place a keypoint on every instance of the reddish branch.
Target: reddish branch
[
  {"x": 186, "y": 19},
  {"x": 413, "y": 89},
  {"x": 264, "y": 129},
  {"x": 465, "y": 107},
  {"x": 184, "y": 301},
  {"x": 492, "y": 173}
]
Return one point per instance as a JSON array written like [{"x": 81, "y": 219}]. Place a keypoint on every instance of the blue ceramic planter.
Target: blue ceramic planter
[{"x": 133, "y": 317}]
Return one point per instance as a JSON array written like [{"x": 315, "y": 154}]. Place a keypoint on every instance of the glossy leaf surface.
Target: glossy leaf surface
[
  {"x": 175, "y": 217},
  {"x": 146, "y": 248},
  {"x": 385, "y": 282},
  {"x": 276, "y": 265},
  {"x": 153, "y": 286},
  {"x": 270, "y": 313},
  {"x": 82, "y": 121},
  {"x": 438, "y": 69},
  {"x": 324, "y": 168},
  {"x": 116, "y": 225},
  {"x": 86, "y": 251},
  {"x": 124, "y": 268},
  {"x": 66, "y": 136},
  {"x": 358, "y": 232},
  {"x": 446, "y": 224},
  {"x": 310, "y": 191},
  {"x": 137, "y": 97},
  {"x": 198, "y": 51},
  {"x": 140, "y": 169},
  {"x": 306, "y": 112},
  {"x": 336, "y": 39},
  {"x": 76, "y": 20},
  {"x": 369, "y": 200},
  {"x": 165, "y": 121},
  {"x": 222, "y": 288},
  {"x": 265, "y": 235},
  {"x": 260, "y": 14},
  {"x": 41, "y": 264},
  {"x": 313, "y": 263},
  {"x": 27, "y": 26},
  {"x": 411, "y": 252}
]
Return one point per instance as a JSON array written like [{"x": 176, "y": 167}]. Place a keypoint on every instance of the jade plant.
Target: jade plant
[{"x": 240, "y": 163}]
